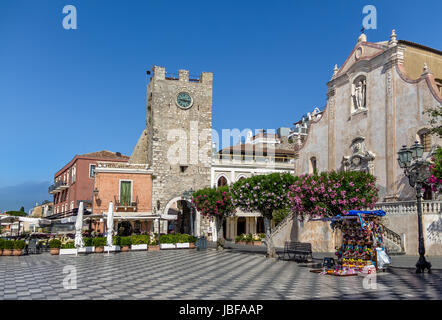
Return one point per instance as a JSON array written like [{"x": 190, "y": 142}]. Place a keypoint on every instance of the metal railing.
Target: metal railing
[
  {"x": 56, "y": 186},
  {"x": 126, "y": 205}
]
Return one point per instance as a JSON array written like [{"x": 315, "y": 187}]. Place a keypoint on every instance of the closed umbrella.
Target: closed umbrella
[
  {"x": 79, "y": 227},
  {"x": 110, "y": 224}
]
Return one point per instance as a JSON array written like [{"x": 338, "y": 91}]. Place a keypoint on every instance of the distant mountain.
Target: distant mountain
[{"x": 26, "y": 195}]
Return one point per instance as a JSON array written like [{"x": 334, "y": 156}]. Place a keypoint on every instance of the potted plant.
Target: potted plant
[
  {"x": 99, "y": 244},
  {"x": 140, "y": 242},
  {"x": 8, "y": 247},
  {"x": 125, "y": 243},
  {"x": 68, "y": 248},
  {"x": 153, "y": 245},
  {"x": 88, "y": 246},
  {"x": 19, "y": 245},
  {"x": 2, "y": 245},
  {"x": 55, "y": 245},
  {"x": 240, "y": 239},
  {"x": 249, "y": 239},
  {"x": 116, "y": 244},
  {"x": 192, "y": 240},
  {"x": 257, "y": 239},
  {"x": 167, "y": 241},
  {"x": 182, "y": 241}
]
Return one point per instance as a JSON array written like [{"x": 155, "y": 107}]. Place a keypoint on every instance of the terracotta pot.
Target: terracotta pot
[
  {"x": 153, "y": 248},
  {"x": 250, "y": 243},
  {"x": 125, "y": 248},
  {"x": 55, "y": 251},
  {"x": 17, "y": 252},
  {"x": 99, "y": 249},
  {"x": 1, "y": 252},
  {"x": 191, "y": 245},
  {"x": 7, "y": 252},
  {"x": 257, "y": 243}
]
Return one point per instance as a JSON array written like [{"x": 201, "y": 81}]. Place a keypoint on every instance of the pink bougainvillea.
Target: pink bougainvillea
[{"x": 332, "y": 193}]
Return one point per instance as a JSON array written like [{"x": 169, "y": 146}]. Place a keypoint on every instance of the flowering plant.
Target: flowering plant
[
  {"x": 435, "y": 181},
  {"x": 332, "y": 193},
  {"x": 264, "y": 194},
  {"x": 213, "y": 201}
]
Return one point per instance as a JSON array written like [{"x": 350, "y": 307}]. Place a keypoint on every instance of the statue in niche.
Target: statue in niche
[{"x": 359, "y": 95}]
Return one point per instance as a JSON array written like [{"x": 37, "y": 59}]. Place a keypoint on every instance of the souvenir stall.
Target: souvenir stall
[{"x": 362, "y": 249}]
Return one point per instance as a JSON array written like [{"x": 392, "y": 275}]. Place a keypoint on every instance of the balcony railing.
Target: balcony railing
[
  {"x": 410, "y": 207},
  {"x": 254, "y": 159},
  {"x": 58, "y": 187},
  {"x": 125, "y": 206}
]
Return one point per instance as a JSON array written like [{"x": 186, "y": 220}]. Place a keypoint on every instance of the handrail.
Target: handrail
[{"x": 284, "y": 221}]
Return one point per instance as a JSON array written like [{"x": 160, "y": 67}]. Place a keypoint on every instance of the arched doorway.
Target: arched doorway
[{"x": 184, "y": 217}]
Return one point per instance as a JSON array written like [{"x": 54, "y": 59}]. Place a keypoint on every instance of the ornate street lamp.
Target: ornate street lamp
[
  {"x": 187, "y": 195},
  {"x": 417, "y": 171}
]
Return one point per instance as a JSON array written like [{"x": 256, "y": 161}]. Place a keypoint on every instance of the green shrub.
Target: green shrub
[
  {"x": 9, "y": 244},
  {"x": 140, "y": 239},
  {"x": 55, "y": 244},
  {"x": 2, "y": 244},
  {"x": 153, "y": 242},
  {"x": 99, "y": 241},
  {"x": 88, "y": 242},
  {"x": 116, "y": 241},
  {"x": 177, "y": 238},
  {"x": 239, "y": 238},
  {"x": 19, "y": 244},
  {"x": 249, "y": 237},
  {"x": 68, "y": 245},
  {"x": 125, "y": 241},
  {"x": 262, "y": 235}
]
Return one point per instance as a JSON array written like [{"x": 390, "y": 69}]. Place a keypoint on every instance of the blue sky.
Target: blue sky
[{"x": 66, "y": 92}]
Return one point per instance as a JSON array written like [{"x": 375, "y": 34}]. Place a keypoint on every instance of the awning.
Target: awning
[{"x": 12, "y": 219}]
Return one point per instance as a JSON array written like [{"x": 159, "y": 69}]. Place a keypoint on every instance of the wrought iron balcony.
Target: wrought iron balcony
[
  {"x": 58, "y": 187},
  {"x": 125, "y": 206}
]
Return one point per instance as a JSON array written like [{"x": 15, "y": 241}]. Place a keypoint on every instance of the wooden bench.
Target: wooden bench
[{"x": 296, "y": 251}]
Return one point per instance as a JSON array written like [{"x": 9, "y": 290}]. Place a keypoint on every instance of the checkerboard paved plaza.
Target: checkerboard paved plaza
[{"x": 191, "y": 274}]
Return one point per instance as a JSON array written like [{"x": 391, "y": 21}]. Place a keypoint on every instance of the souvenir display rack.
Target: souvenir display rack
[{"x": 362, "y": 233}]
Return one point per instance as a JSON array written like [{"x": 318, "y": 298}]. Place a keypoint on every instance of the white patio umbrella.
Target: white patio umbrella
[
  {"x": 110, "y": 224},
  {"x": 79, "y": 227}
]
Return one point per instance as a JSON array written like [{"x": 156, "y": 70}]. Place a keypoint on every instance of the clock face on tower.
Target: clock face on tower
[{"x": 184, "y": 100}]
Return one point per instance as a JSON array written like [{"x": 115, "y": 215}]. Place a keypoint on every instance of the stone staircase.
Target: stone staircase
[
  {"x": 394, "y": 244},
  {"x": 282, "y": 224}
]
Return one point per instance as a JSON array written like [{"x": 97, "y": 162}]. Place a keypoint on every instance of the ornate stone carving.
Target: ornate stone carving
[{"x": 361, "y": 158}]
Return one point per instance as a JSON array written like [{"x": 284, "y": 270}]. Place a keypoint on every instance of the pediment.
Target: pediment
[{"x": 362, "y": 52}]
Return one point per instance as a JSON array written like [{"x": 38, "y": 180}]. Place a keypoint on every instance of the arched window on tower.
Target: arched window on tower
[
  {"x": 222, "y": 181},
  {"x": 312, "y": 166}
]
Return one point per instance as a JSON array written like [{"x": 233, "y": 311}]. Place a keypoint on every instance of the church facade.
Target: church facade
[{"x": 375, "y": 105}]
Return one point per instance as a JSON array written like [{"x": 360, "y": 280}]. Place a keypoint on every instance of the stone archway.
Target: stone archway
[{"x": 181, "y": 216}]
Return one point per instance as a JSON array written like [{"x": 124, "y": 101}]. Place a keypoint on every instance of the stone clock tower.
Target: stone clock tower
[{"x": 176, "y": 143}]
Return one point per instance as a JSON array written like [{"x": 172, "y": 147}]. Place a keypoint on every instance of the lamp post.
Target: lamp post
[
  {"x": 187, "y": 195},
  {"x": 417, "y": 172}
]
